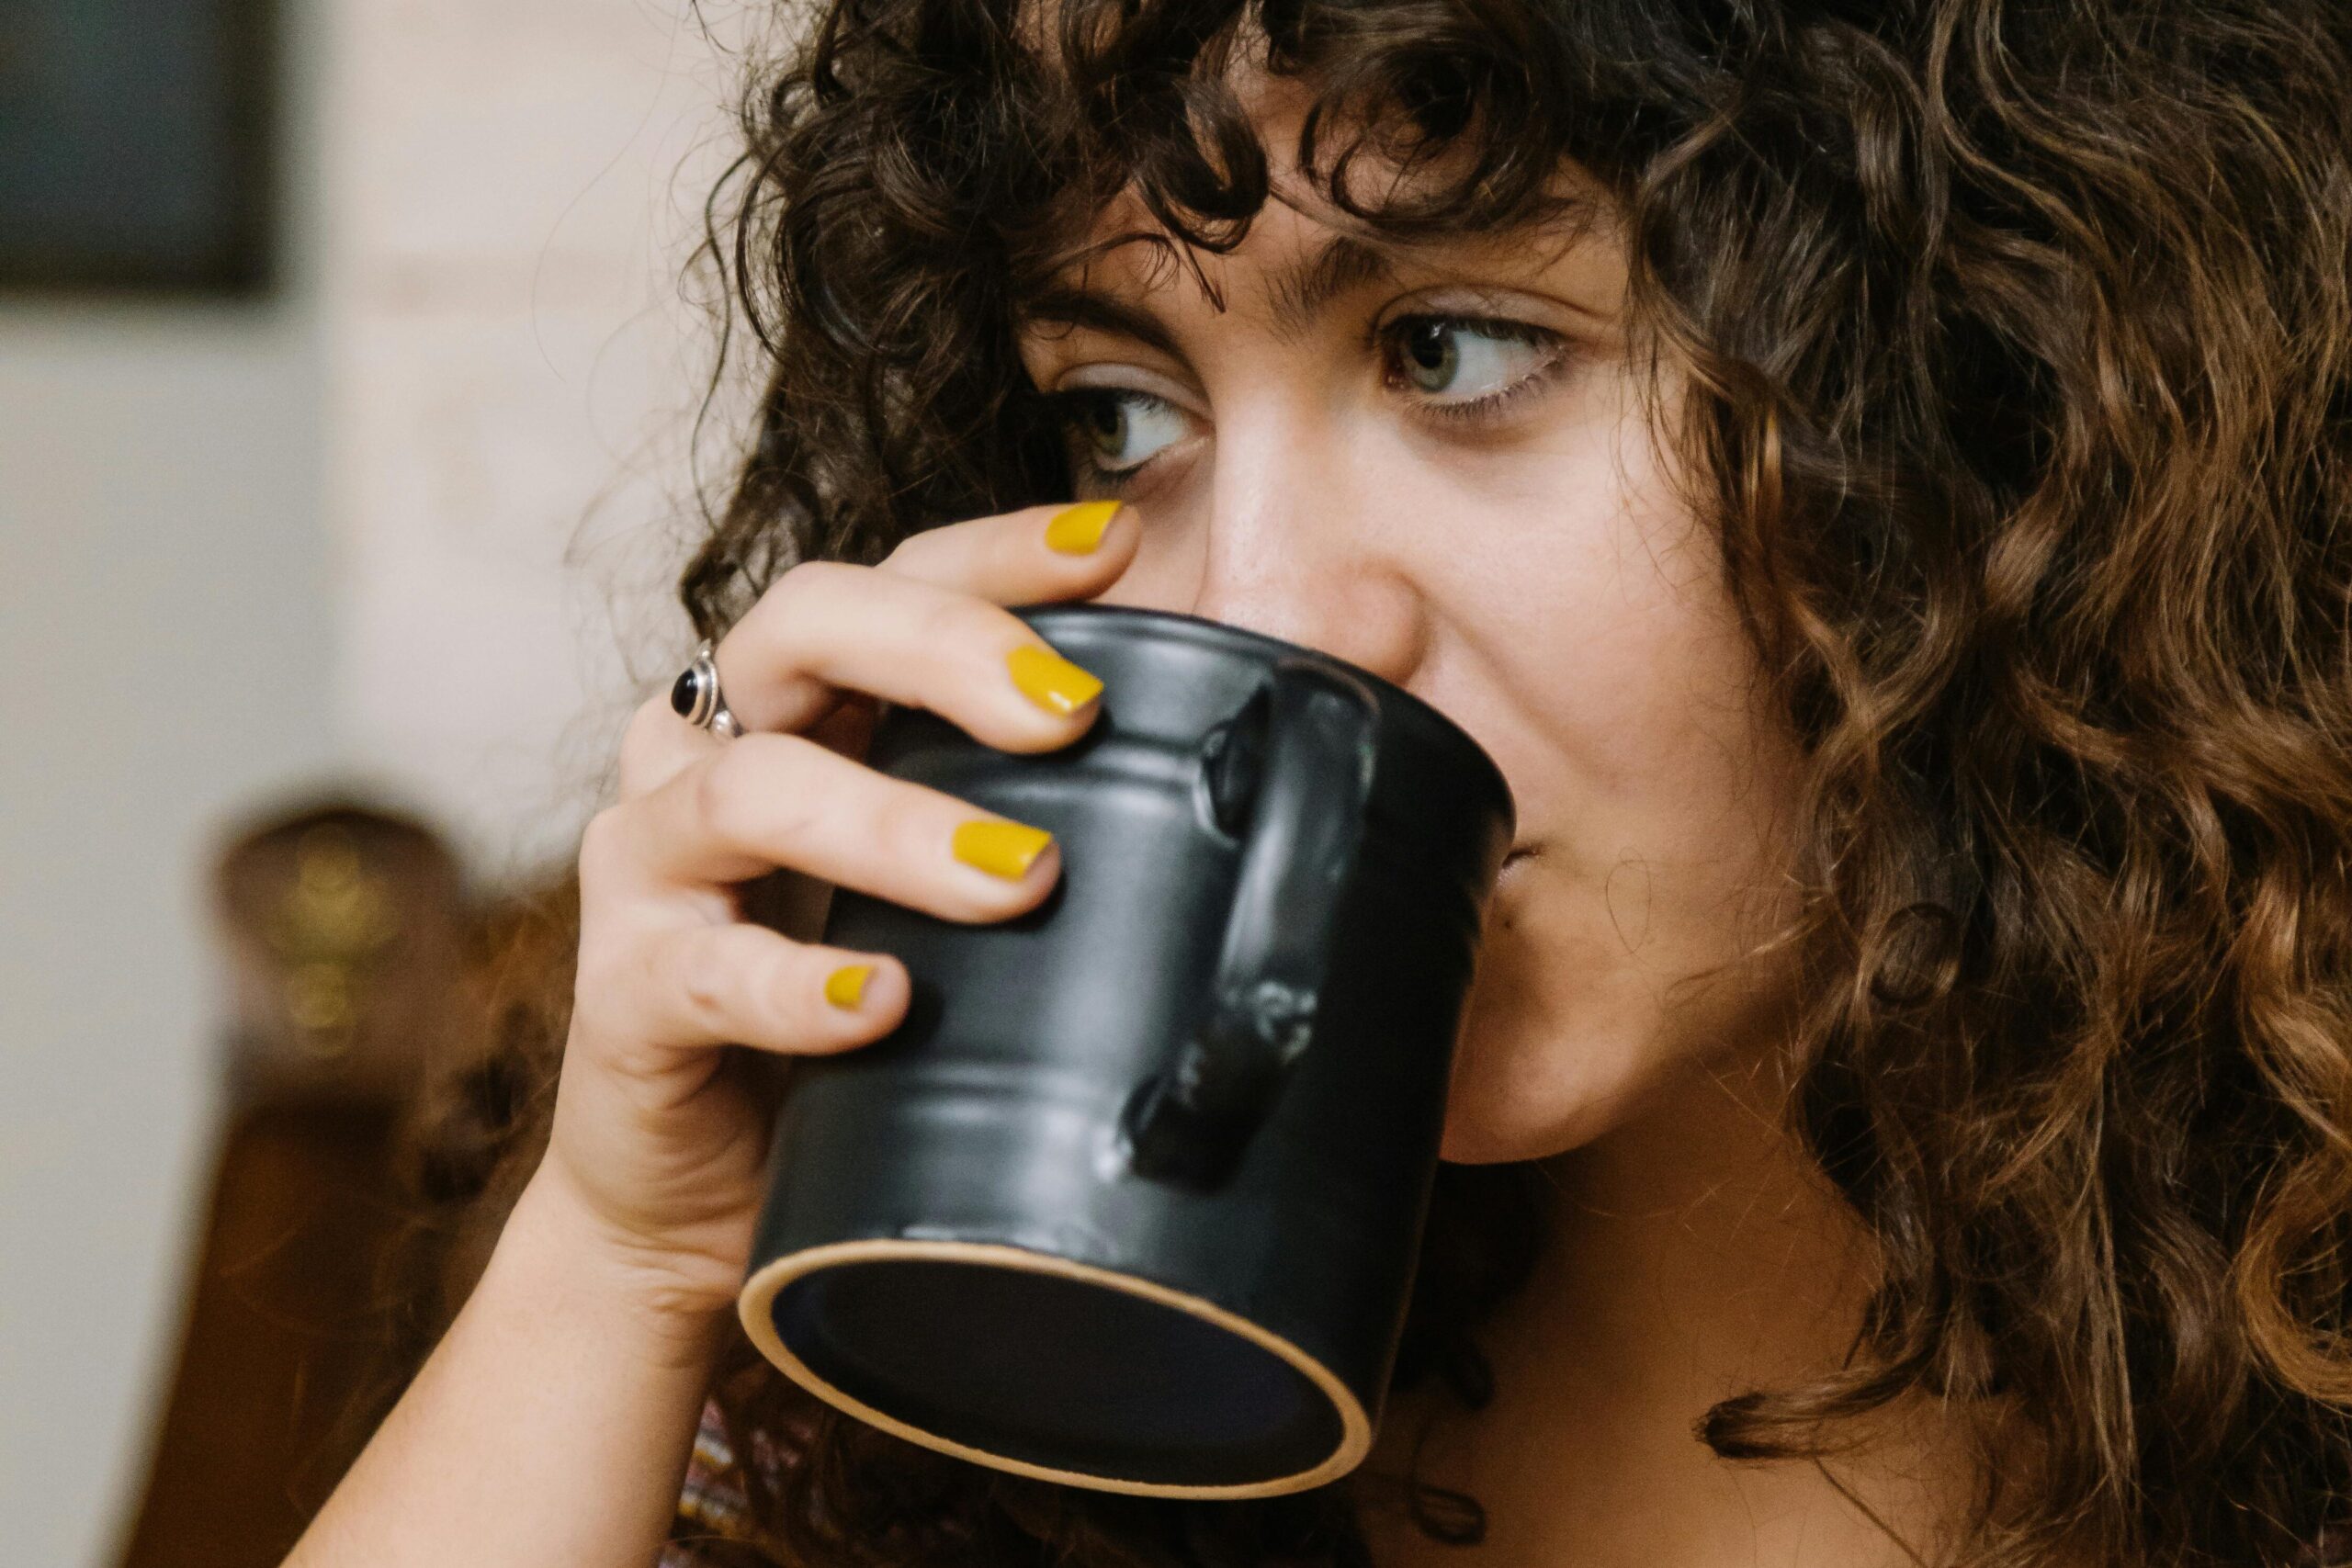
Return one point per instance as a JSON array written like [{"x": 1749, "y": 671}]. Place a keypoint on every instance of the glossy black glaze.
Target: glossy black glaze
[{"x": 1210, "y": 1066}]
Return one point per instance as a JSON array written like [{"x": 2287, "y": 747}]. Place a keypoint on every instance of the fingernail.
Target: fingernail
[
  {"x": 1076, "y": 530},
  {"x": 1050, "y": 681},
  {"x": 1001, "y": 849},
  {"x": 846, "y": 983}
]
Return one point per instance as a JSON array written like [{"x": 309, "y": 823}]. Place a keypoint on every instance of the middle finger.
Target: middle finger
[{"x": 770, "y": 800}]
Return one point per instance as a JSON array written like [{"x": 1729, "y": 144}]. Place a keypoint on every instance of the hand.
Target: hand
[{"x": 659, "y": 1141}]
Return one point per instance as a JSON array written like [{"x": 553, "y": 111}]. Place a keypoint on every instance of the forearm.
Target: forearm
[{"x": 551, "y": 1425}]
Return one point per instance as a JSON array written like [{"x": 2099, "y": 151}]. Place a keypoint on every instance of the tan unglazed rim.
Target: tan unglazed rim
[{"x": 756, "y": 1303}]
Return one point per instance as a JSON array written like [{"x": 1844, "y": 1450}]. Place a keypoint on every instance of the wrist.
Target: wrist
[{"x": 673, "y": 1311}]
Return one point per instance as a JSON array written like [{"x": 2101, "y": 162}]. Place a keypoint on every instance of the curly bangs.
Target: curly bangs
[
  {"x": 2015, "y": 337},
  {"x": 950, "y": 159}
]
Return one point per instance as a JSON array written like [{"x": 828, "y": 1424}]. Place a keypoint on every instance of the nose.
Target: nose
[{"x": 1293, "y": 544}]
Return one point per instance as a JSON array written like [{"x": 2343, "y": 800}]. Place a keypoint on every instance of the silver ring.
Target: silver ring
[{"x": 695, "y": 697}]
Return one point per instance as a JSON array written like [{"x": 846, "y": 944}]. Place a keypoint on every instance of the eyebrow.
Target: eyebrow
[{"x": 1298, "y": 293}]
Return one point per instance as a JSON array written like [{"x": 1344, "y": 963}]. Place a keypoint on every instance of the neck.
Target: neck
[{"x": 1694, "y": 1253}]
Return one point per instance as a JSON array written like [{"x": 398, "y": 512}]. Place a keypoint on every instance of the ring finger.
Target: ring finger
[{"x": 771, "y": 799}]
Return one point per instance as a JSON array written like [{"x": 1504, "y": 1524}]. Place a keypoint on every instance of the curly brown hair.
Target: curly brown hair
[{"x": 2014, "y": 341}]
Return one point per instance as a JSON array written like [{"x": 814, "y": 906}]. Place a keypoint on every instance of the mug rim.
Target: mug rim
[{"x": 1184, "y": 625}]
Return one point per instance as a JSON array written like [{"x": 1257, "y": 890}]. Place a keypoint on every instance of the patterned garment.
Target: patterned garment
[
  {"x": 710, "y": 1505},
  {"x": 715, "y": 1520}
]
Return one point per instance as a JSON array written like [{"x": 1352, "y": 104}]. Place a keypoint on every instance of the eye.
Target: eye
[
  {"x": 1115, "y": 429},
  {"x": 1457, "y": 361}
]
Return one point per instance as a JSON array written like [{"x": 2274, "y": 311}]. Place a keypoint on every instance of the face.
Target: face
[{"x": 1429, "y": 461}]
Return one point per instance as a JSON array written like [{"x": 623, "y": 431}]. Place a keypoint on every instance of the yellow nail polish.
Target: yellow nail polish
[
  {"x": 1001, "y": 849},
  {"x": 846, "y": 983},
  {"x": 1050, "y": 681},
  {"x": 1076, "y": 530}
]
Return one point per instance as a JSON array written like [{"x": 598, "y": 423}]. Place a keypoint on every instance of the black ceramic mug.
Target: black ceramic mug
[{"x": 1132, "y": 1197}]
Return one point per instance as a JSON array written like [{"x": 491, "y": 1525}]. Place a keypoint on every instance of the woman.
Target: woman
[{"x": 1872, "y": 475}]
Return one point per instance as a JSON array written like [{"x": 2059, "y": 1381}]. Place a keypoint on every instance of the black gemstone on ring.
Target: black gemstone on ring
[{"x": 683, "y": 694}]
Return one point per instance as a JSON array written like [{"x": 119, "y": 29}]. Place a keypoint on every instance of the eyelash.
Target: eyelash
[
  {"x": 1388, "y": 335},
  {"x": 1384, "y": 338}
]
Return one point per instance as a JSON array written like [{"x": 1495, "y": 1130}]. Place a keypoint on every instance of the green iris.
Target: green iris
[{"x": 1431, "y": 356}]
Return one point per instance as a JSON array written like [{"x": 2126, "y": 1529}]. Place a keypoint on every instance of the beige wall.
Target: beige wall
[
  {"x": 513, "y": 375},
  {"x": 163, "y": 632},
  {"x": 411, "y": 522}
]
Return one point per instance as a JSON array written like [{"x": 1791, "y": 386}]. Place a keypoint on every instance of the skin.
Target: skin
[
  {"x": 1524, "y": 571},
  {"x": 1570, "y": 614},
  {"x": 1532, "y": 576}
]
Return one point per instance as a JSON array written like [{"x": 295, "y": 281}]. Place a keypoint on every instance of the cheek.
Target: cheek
[
  {"x": 1659, "y": 787},
  {"x": 1614, "y": 960}
]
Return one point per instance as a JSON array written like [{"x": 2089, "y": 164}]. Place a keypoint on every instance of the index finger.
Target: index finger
[
  {"x": 1013, "y": 558},
  {"x": 1035, "y": 554}
]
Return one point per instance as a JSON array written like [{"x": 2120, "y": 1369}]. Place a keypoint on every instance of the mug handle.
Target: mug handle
[{"x": 1316, "y": 730}]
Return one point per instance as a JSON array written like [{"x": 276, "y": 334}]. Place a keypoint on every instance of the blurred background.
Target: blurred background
[{"x": 349, "y": 360}]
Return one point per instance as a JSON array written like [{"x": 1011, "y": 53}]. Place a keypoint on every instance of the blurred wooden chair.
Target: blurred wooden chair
[{"x": 369, "y": 1080}]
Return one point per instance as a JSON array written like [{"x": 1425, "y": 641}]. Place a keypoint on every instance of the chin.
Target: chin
[
  {"x": 1527, "y": 1084},
  {"x": 1557, "y": 1049},
  {"x": 1476, "y": 1140},
  {"x": 1492, "y": 1116},
  {"x": 1486, "y": 1146}
]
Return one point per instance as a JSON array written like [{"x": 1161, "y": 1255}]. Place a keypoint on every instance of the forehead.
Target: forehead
[
  {"x": 1317, "y": 243},
  {"x": 1300, "y": 251}
]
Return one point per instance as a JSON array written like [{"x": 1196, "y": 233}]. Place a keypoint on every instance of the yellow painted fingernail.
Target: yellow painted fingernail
[
  {"x": 1001, "y": 849},
  {"x": 846, "y": 983},
  {"x": 1050, "y": 681},
  {"x": 1075, "y": 530}
]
